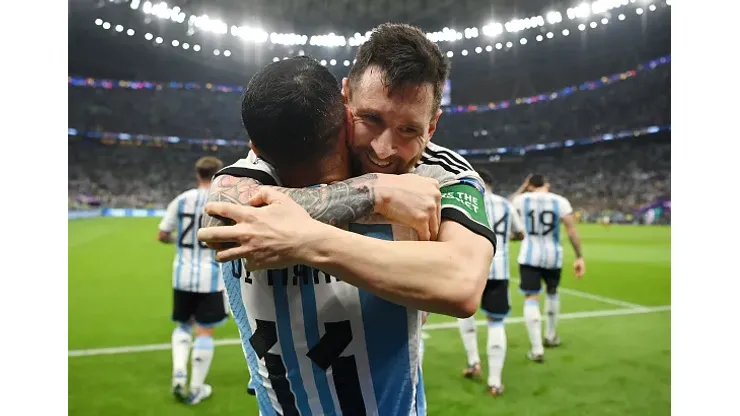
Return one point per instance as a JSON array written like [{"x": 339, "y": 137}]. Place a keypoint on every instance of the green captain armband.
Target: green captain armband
[{"x": 464, "y": 204}]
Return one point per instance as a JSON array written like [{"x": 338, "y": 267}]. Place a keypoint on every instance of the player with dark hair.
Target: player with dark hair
[
  {"x": 507, "y": 225},
  {"x": 379, "y": 338},
  {"x": 541, "y": 257},
  {"x": 198, "y": 304}
]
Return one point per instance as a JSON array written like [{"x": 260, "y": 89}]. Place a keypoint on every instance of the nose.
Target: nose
[{"x": 383, "y": 145}]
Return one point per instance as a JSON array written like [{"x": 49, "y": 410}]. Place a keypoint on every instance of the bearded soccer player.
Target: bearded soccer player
[{"x": 376, "y": 340}]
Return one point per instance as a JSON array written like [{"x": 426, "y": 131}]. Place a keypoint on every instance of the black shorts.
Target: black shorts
[
  {"x": 530, "y": 279},
  {"x": 206, "y": 309},
  {"x": 495, "y": 299}
]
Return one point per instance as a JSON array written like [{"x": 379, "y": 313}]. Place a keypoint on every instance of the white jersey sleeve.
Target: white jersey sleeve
[
  {"x": 169, "y": 221},
  {"x": 565, "y": 207}
]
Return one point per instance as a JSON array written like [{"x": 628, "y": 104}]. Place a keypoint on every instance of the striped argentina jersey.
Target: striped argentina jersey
[
  {"x": 504, "y": 219},
  {"x": 195, "y": 269},
  {"x": 316, "y": 345},
  {"x": 542, "y": 213}
]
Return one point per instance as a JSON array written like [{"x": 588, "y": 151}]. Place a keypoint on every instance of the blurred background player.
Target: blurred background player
[
  {"x": 507, "y": 225},
  {"x": 198, "y": 301},
  {"x": 541, "y": 257}
]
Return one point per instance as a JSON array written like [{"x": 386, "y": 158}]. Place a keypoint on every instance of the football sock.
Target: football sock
[
  {"x": 496, "y": 351},
  {"x": 552, "y": 309},
  {"x": 534, "y": 324},
  {"x": 181, "y": 339},
  {"x": 470, "y": 339},
  {"x": 201, "y": 361}
]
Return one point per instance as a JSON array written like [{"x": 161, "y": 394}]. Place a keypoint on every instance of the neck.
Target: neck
[
  {"x": 540, "y": 189},
  {"x": 331, "y": 169},
  {"x": 204, "y": 185}
]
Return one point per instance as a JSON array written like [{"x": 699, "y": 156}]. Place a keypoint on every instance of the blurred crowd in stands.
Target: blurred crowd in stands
[{"x": 612, "y": 177}]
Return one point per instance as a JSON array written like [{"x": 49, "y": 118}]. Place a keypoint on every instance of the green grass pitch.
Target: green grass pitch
[{"x": 615, "y": 357}]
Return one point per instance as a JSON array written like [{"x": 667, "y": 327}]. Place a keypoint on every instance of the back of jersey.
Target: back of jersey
[
  {"x": 194, "y": 269},
  {"x": 542, "y": 213},
  {"x": 504, "y": 219}
]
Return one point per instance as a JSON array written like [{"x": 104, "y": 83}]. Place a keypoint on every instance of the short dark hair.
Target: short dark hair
[
  {"x": 537, "y": 180},
  {"x": 207, "y": 166},
  {"x": 293, "y": 112},
  {"x": 406, "y": 57},
  {"x": 486, "y": 176}
]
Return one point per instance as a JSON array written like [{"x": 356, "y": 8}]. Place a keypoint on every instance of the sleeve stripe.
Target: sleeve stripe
[
  {"x": 428, "y": 161},
  {"x": 461, "y": 218},
  {"x": 461, "y": 162},
  {"x": 444, "y": 158},
  {"x": 262, "y": 177}
]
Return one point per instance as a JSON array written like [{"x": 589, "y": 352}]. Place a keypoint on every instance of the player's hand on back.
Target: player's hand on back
[
  {"x": 268, "y": 234},
  {"x": 411, "y": 200},
  {"x": 579, "y": 268}
]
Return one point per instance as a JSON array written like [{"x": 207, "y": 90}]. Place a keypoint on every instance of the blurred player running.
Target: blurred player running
[
  {"x": 198, "y": 286},
  {"x": 541, "y": 257},
  {"x": 506, "y": 224}
]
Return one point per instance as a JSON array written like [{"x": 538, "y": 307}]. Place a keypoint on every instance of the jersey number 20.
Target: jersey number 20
[{"x": 190, "y": 221}]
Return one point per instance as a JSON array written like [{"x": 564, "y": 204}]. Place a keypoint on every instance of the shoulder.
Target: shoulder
[
  {"x": 251, "y": 167},
  {"x": 452, "y": 162}
]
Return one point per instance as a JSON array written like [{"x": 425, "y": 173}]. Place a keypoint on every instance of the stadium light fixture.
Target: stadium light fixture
[
  {"x": 450, "y": 54},
  {"x": 621, "y": 16},
  {"x": 119, "y": 28},
  {"x": 566, "y": 32},
  {"x": 478, "y": 49},
  {"x": 464, "y": 52},
  {"x": 158, "y": 40},
  {"x": 346, "y": 62},
  {"x": 98, "y": 22},
  {"x": 639, "y": 11},
  {"x": 333, "y": 62},
  {"x": 106, "y": 25},
  {"x": 539, "y": 38},
  {"x": 593, "y": 25},
  {"x": 581, "y": 27},
  {"x": 554, "y": 17},
  {"x": 523, "y": 41},
  {"x": 227, "y": 53},
  {"x": 186, "y": 46},
  {"x": 509, "y": 44},
  {"x": 604, "y": 21},
  {"x": 175, "y": 43},
  {"x": 148, "y": 36},
  {"x": 135, "y": 4},
  {"x": 499, "y": 45},
  {"x": 493, "y": 29},
  {"x": 130, "y": 32},
  {"x": 216, "y": 52},
  {"x": 275, "y": 59},
  {"x": 652, "y": 7},
  {"x": 196, "y": 48},
  {"x": 323, "y": 62},
  {"x": 550, "y": 35}
]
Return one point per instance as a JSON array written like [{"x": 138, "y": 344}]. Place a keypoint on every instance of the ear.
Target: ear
[
  {"x": 433, "y": 124},
  {"x": 349, "y": 125},
  {"x": 345, "y": 90}
]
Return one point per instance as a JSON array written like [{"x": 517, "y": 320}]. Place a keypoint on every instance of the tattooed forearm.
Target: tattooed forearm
[{"x": 336, "y": 204}]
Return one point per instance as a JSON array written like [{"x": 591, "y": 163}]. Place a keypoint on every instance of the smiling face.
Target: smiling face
[{"x": 390, "y": 130}]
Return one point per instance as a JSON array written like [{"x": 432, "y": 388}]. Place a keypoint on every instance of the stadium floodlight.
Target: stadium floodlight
[
  {"x": 509, "y": 44},
  {"x": 106, "y": 25},
  {"x": 464, "y": 52},
  {"x": 196, "y": 48},
  {"x": 581, "y": 11},
  {"x": 147, "y": 7},
  {"x": 478, "y": 49},
  {"x": 275, "y": 59},
  {"x": 593, "y": 25},
  {"x": 148, "y": 36},
  {"x": 216, "y": 52},
  {"x": 130, "y": 32},
  {"x": 550, "y": 35},
  {"x": 159, "y": 40},
  {"x": 227, "y": 52},
  {"x": 539, "y": 38},
  {"x": 450, "y": 54},
  {"x": 499, "y": 45},
  {"x": 175, "y": 43},
  {"x": 566, "y": 32},
  {"x": 523, "y": 41},
  {"x": 581, "y": 27},
  {"x": 489, "y": 48},
  {"x": 346, "y": 62},
  {"x": 119, "y": 28},
  {"x": 323, "y": 62},
  {"x": 639, "y": 11},
  {"x": 652, "y": 7},
  {"x": 554, "y": 17},
  {"x": 135, "y": 4},
  {"x": 98, "y": 22},
  {"x": 621, "y": 16},
  {"x": 493, "y": 29},
  {"x": 333, "y": 62},
  {"x": 604, "y": 21},
  {"x": 186, "y": 46}
]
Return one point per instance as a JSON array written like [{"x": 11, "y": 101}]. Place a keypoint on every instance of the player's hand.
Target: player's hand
[
  {"x": 411, "y": 200},
  {"x": 579, "y": 268},
  {"x": 269, "y": 234}
]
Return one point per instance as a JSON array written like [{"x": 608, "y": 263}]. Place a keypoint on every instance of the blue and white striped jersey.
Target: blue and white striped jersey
[
  {"x": 504, "y": 219},
  {"x": 542, "y": 213},
  {"x": 195, "y": 268}
]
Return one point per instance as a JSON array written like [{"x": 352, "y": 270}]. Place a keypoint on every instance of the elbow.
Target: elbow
[{"x": 468, "y": 291}]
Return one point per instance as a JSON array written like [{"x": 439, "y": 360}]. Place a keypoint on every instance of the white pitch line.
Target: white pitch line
[
  {"x": 427, "y": 327},
  {"x": 602, "y": 299}
]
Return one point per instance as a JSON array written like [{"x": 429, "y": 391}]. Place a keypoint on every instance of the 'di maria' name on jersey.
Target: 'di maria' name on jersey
[{"x": 296, "y": 275}]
